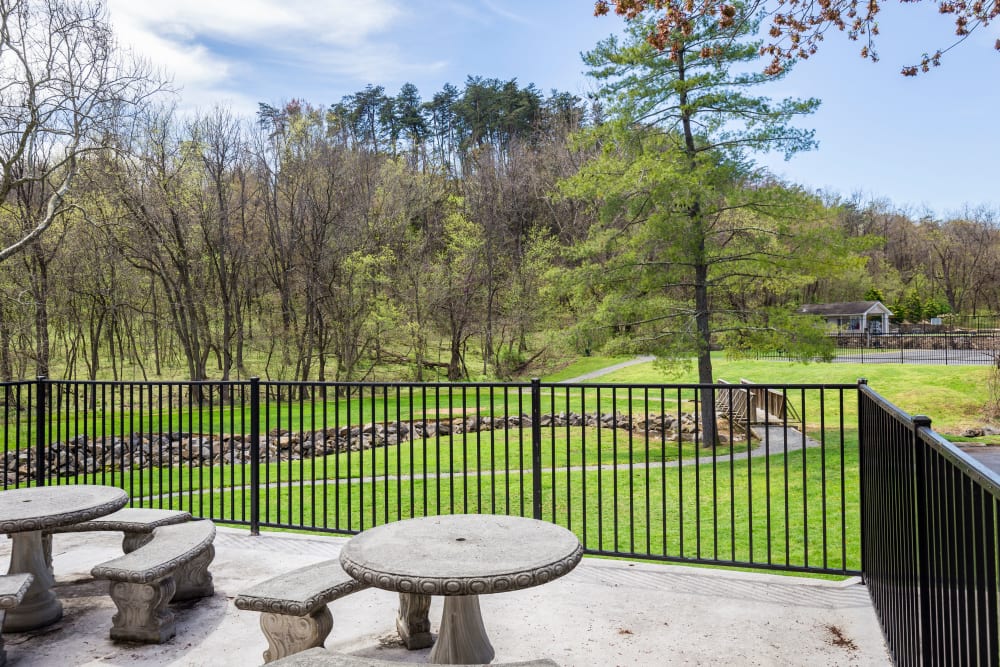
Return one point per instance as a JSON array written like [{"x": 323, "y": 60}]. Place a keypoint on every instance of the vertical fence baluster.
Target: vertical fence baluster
[
  {"x": 40, "y": 431},
  {"x": 254, "y": 455},
  {"x": 923, "y": 541},
  {"x": 536, "y": 448}
]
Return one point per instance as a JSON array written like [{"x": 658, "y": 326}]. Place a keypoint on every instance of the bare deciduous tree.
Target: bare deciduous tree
[{"x": 66, "y": 89}]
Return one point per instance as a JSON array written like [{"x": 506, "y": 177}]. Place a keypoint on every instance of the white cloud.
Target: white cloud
[
  {"x": 201, "y": 44},
  {"x": 339, "y": 23}
]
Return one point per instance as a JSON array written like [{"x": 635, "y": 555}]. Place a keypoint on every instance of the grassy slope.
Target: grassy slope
[
  {"x": 718, "y": 511},
  {"x": 761, "y": 511},
  {"x": 953, "y": 396}
]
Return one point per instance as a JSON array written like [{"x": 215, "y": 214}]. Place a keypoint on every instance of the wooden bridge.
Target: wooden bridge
[{"x": 755, "y": 404}]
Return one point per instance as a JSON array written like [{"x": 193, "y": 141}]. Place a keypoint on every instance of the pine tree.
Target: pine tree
[{"x": 695, "y": 243}]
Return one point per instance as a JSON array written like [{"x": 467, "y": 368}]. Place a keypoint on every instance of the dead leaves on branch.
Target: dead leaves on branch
[{"x": 797, "y": 26}]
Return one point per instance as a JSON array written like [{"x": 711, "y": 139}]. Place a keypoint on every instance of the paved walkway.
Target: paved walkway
[
  {"x": 604, "y": 613},
  {"x": 772, "y": 441},
  {"x": 608, "y": 369}
]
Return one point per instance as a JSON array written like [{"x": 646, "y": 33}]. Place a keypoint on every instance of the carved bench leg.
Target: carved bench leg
[
  {"x": 142, "y": 611},
  {"x": 291, "y": 634},
  {"x": 412, "y": 623},
  {"x": 193, "y": 578}
]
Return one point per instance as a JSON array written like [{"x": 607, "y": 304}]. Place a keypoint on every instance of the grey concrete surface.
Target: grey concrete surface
[
  {"x": 988, "y": 456},
  {"x": 604, "y": 612}
]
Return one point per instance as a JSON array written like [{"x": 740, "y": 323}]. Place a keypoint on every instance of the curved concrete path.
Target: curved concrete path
[
  {"x": 608, "y": 369},
  {"x": 773, "y": 441}
]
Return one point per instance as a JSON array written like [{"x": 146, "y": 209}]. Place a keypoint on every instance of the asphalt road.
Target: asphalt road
[{"x": 988, "y": 456}]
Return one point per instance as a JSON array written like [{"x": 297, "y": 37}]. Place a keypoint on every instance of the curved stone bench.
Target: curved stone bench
[
  {"x": 137, "y": 523},
  {"x": 294, "y": 613},
  {"x": 319, "y": 657},
  {"x": 13, "y": 587},
  {"x": 172, "y": 565}
]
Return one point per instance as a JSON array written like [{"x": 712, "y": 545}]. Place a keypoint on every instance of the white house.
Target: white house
[{"x": 853, "y": 316}]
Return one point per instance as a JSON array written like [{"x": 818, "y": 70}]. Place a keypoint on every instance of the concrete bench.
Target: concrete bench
[
  {"x": 13, "y": 588},
  {"x": 137, "y": 523},
  {"x": 318, "y": 657},
  {"x": 295, "y": 617},
  {"x": 171, "y": 566}
]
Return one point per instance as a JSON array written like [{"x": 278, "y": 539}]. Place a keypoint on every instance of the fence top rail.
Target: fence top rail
[
  {"x": 396, "y": 383},
  {"x": 453, "y": 386},
  {"x": 720, "y": 385},
  {"x": 969, "y": 466},
  {"x": 142, "y": 383}
]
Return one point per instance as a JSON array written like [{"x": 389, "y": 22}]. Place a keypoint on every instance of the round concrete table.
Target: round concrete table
[
  {"x": 24, "y": 514},
  {"x": 462, "y": 557}
]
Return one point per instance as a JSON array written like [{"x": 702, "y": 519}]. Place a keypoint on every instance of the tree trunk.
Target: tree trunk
[
  {"x": 40, "y": 287},
  {"x": 701, "y": 297},
  {"x": 705, "y": 375},
  {"x": 455, "y": 364}
]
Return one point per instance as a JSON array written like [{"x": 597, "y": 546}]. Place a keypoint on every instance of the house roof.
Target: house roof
[{"x": 846, "y": 308}]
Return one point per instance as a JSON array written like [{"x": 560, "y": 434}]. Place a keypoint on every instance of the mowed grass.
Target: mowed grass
[
  {"x": 799, "y": 510},
  {"x": 124, "y": 413},
  {"x": 952, "y": 396},
  {"x": 582, "y": 366},
  {"x": 621, "y": 493},
  {"x": 499, "y": 451}
]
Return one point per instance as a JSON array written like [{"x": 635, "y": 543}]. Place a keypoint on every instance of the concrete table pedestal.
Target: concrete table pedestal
[
  {"x": 460, "y": 557},
  {"x": 40, "y": 606},
  {"x": 462, "y": 638},
  {"x": 24, "y": 514}
]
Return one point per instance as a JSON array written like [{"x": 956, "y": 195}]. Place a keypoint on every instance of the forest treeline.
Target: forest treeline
[{"x": 322, "y": 242}]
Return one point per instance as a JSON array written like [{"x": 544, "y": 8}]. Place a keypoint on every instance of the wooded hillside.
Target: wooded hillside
[{"x": 319, "y": 242}]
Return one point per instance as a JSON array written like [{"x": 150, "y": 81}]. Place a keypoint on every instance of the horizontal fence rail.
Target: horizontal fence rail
[
  {"x": 949, "y": 348},
  {"x": 628, "y": 468},
  {"x": 929, "y": 540}
]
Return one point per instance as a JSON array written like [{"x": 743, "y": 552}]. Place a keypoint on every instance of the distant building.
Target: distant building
[{"x": 853, "y": 316}]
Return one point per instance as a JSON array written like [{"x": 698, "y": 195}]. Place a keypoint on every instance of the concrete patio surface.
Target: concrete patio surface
[{"x": 605, "y": 612}]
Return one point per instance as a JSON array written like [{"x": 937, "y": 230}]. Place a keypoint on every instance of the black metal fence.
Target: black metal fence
[
  {"x": 929, "y": 540},
  {"x": 817, "y": 478},
  {"x": 974, "y": 322},
  {"x": 949, "y": 348},
  {"x": 626, "y": 467}
]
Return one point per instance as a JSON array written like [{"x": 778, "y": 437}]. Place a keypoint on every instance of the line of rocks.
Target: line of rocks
[{"x": 87, "y": 454}]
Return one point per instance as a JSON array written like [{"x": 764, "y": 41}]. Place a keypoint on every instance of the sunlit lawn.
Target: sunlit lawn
[
  {"x": 755, "y": 511},
  {"x": 498, "y": 451}
]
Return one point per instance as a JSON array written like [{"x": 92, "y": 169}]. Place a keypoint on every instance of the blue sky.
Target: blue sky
[{"x": 929, "y": 144}]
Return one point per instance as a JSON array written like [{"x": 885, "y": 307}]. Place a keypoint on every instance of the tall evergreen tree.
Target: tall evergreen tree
[{"x": 695, "y": 243}]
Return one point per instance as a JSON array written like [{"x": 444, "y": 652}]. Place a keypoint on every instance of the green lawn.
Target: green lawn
[
  {"x": 759, "y": 511},
  {"x": 581, "y": 366},
  {"x": 953, "y": 396},
  {"x": 620, "y": 491},
  {"x": 484, "y": 451}
]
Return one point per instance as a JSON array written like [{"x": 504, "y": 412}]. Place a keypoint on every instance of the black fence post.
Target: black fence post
[
  {"x": 922, "y": 511},
  {"x": 862, "y": 486},
  {"x": 536, "y": 447},
  {"x": 40, "y": 431},
  {"x": 254, "y": 456}
]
